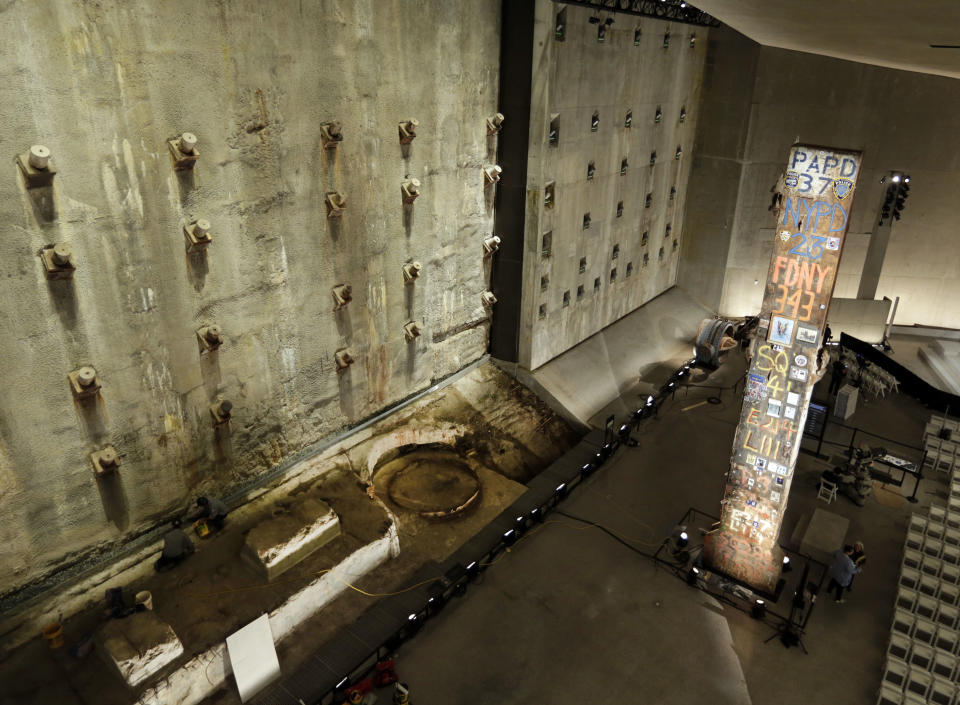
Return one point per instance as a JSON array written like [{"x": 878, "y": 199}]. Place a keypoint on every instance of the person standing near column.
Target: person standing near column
[
  {"x": 841, "y": 572},
  {"x": 838, "y": 373},
  {"x": 859, "y": 557}
]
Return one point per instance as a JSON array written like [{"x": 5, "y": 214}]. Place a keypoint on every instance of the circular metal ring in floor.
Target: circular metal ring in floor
[{"x": 433, "y": 483}]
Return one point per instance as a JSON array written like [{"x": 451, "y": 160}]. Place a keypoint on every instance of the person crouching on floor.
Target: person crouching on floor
[{"x": 177, "y": 546}]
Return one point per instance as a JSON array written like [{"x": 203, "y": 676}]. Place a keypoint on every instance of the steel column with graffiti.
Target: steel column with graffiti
[{"x": 812, "y": 206}]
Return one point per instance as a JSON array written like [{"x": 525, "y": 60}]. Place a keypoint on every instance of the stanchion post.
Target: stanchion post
[
  {"x": 823, "y": 432},
  {"x": 916, "y": 483}
]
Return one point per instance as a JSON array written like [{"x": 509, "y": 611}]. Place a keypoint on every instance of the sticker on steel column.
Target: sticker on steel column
[
  {"x": 842, "y": 188},
  {"x": 790, "y": 412},
  {"x": 791, "y": 179},
  {"x": 798, "y": 373},
  {"x": 781, "y": 331},
  {"x": 800, "y": 360},
  {"x": 773, "y": 407},
  {"x": 785, "y": 235},
  {"x": 756, "y": 388},
  {"x": 806, "y": 334},
  {"x": 832, "y": 243}
]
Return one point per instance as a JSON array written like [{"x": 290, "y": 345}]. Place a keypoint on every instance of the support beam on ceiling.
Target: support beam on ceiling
[{"x": 672, "y": 10}]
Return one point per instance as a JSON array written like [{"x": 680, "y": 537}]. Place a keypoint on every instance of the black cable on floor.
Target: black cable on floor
[{"x": 608, "y": 532}]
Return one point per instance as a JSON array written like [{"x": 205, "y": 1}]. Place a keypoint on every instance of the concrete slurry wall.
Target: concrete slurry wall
[
  {"x": 574, "y": 78},
  {"x": 104, "y": 86},
  {"x": 718, "y": 163},
  {"x": 901, "y": 121}
]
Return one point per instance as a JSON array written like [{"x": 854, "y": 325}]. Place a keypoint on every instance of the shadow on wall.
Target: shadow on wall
[
  {"x": 43, "y": 204},
  {"x": 210, "y": 371},
  {"x": 114, "y": 499},
  {"x": 187, "y": 184},
  {"x": 407, "y": 218},
  {"x": 333, "y": 228},
  {"x": 197, "y": 269},
  {"x": 92, "y": 415},
  {"x": 222, "y": 446},
  {"x": 64, "y": 298},
  {"x": 344, "y": 326},
  {"x": 490, "y": 195},
  {"x": 347, "y": 406},
  {"x": 408, "y": 296},
  {"x": 411, "y": 357}
]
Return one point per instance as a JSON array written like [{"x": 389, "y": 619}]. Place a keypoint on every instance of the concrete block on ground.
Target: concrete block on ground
[
  {"x": 825, "y": 534},
  {"x": 138, "y": 646},
  {"x": 278, "y": 544}
]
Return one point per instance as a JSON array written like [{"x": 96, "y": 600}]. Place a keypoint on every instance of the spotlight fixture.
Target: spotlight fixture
[
  {"x": 536, "y": 515},
  {"x": 693, "y": 575},
  {"x": 608, "y": 21},
  {"x": 650, "y": 400},
  {"x": 587, "y": 470},
  {"x": 561, "y": 491},
  {"x": 759, "y": 609},
  {"x": 624, "y": 433},
  {"x": 413, "y": 624},
  {"x": 435, "y": 603},
  {"x": 786, "y": 564},
  {"x": 560, "y": 29},
  {"x": 683, "y": 539},
  {"x": 510, "y": 537},
  {"x": 895, "y": 196},
  {"x": 607, "y": 450},
  {"x": 473, "y": 570}
]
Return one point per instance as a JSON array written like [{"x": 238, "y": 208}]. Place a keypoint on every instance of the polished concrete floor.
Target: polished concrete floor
[{"x": 570, "y": 615}]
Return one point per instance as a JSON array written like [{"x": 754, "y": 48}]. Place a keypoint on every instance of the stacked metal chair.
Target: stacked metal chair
[{"x": 923, "y": 654}]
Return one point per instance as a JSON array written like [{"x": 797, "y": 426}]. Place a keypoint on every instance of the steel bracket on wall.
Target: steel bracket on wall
[{"x": 673, "y": 10}]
